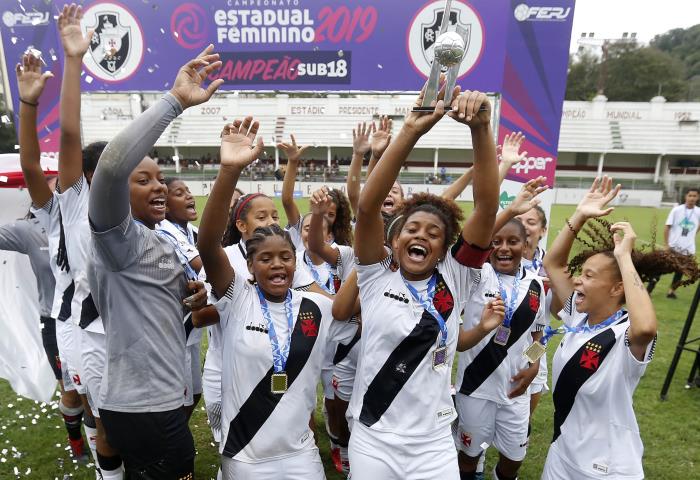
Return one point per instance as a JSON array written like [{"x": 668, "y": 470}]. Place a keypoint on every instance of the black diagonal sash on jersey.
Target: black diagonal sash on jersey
[
  {"x": 576, "y": 372},
  {"x": 342, "y": 351},
  {"x": 66, "y": 301},
  {"x": 189, "y": 325},
  {"x": 491, "y": 356},
  {"x": 262, "y": 402},
  {"x": 404, "y": 360},
  {"x": 88, "y": 312}
]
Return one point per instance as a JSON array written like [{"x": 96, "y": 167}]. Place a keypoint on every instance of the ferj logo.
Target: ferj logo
[{"x": 505, "y": 200}]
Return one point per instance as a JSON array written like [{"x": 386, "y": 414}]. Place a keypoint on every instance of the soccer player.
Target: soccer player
[
  {"x": 679, "y": 234},
  {"x": 411, "y": 301},
  {"x": 180, "y": 212},
  {"x": 139, "y": 277},
  {"x": 274, "y": 338},
  {"x": 31, "y": 82},
  {"x": 76, "y": 166},
  {"x": 610, "y": 333}
]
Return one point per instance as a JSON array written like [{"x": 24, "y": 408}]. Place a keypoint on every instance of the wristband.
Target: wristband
[{"x": 28, "y": 103}]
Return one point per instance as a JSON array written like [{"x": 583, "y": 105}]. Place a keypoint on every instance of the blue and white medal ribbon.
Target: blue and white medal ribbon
[
  {"x": 537, "y": 349},
  {"x": 279, "y": 380},
  {"x": 503, "y": 332},
  {"x": 190, "y": 274},
  {"x": 440, "y": 354},
  {"x": 328, "y": 286}
]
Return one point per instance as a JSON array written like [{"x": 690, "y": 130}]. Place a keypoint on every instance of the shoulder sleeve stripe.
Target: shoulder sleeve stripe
[
  {"x": 229, "y": 291},
  {"x": 469, "y": 255},
  {"x": 47, "y": 206}
]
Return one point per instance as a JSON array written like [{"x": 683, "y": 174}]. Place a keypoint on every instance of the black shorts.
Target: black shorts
[
  {"x": 155, "y": 445},
  {"x": 48, "y": 338}
]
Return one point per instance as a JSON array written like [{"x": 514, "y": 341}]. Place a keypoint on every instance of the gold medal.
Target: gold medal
[
  {"x": 278, "y": 382},
  {"x": 534, "y": 352}
]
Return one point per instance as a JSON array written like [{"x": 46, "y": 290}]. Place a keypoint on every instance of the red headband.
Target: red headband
[{"x": 244, "y": 202}]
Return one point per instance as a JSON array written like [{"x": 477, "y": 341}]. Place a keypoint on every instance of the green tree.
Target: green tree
[{"x": 582, "y": 79}]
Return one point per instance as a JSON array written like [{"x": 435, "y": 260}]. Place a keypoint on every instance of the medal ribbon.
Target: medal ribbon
[
  {"x": 510, "y": 307},
  {"x": 549, "y": 332},
  {"x": 279, "y": 355},
  {"x": 190, "y": 274},
  {"x": 329, "y": 286},
  {"x": 186, "y": 232},
  {"x": 427, "y": 303}
]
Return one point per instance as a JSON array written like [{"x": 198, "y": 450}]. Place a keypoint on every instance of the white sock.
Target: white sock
[
  {"x": 480, "y": 465},
  {"x": 345, "y": 460},
  {"x": 91, "y": 435},
  {"x": 219, "y": 475},
  {"x": 117, "y": 474}
]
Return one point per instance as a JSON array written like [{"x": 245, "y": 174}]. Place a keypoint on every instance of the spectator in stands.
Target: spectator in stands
[{"x": 679, "y": 234}]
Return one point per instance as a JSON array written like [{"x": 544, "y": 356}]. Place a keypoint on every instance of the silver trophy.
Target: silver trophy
[{"x": 449, "y": 50}]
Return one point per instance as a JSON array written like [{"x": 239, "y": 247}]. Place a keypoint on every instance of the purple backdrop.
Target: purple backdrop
[{"x": 516, "y": 49}]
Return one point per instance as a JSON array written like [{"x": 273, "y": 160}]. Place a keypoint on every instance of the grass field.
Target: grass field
[{"x": 32, "y": 438}]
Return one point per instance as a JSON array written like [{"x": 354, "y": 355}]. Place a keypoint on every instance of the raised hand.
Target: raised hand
[
  {"x": 526, "y": 199},
  {"x": 467, "y": 108},
  {"x": 381, "y": 136},
  {"x": 238, "y": 149},
  {"x": 187, "y": 87},
  {"x": 360, "y": 138},
  {"x": 30, "y": 80},
  {"x": 420, "y": 123},
  {"x": 594, "y": 203},
  {"x": 493, "y": 315},
  {"x": 292, "y": 151},
  {"x": 320, "y": 201},
  {"x": 510, "y": 151},
  {"x": 624, "y": 238},
  {"x": 74, "y": 43}
]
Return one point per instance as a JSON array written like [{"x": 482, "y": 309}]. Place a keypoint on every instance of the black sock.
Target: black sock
[
  {"x": 503, "y": 477},
  {"x": 109, "y": 463},
  {"x": 73, "y": 418}
]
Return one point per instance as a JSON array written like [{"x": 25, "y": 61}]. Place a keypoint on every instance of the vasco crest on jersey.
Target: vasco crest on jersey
[
  {"x": 534, "y": 300},
  {"x": 110, "y": 44}
]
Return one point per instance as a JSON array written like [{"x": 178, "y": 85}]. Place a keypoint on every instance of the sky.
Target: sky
[{"x": 611, "y": 18}]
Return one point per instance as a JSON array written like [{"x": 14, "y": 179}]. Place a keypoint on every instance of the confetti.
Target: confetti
[
  {"x": 5, "y": 119},
  {"x": 162, "y": 31},
  {"x": 13, "y": 40},
  {"x": 16, "y": 147},
  {"x": 88, "y": 79},
  {"x": 484, "y": 446},
  {"x": 379, "y": 65},
  {"x": 341, "y": 53}
]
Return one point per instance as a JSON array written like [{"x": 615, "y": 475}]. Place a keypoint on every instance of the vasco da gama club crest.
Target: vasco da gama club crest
[
  {"x": 432, "y": 30},
  {"x": 117, "y": 45}
]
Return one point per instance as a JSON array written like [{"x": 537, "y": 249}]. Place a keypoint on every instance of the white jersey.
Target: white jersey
[
  {"x": 76, "y": 228},
  {"x": 395, "y": 372},
  {"x": 684, "y": 226},
  {"x": 258, "y": 425},
  {"x": 594, "y": 376},
  {"x": 50, "y": 217},
  {"x": 485, "y": 370},
  {"x": 539, "y": 384}
]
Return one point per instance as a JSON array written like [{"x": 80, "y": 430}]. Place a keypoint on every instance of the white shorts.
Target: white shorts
[
  {"x": 211, "y": 376},
  {"x": 327, "y": 382},
  {"x": 64, "y": 338},
  {"x": 344, "y": 374},
  {"x": 93, "y": 357},
  {"x": 306, "y": 465},
  {"x": 387, "y": 456},
  {"x": 73, "y": 347},
  {"x": 484, "y": 421},
  {"x": 556, "y": 468},
  {"x": 193, "y": 374}
]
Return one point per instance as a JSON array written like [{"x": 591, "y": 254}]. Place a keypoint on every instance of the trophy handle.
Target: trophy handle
[{"x": 431, "y": 90}]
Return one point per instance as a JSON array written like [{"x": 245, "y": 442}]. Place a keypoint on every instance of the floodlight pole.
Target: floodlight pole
[{"x": 682, "y": 345}]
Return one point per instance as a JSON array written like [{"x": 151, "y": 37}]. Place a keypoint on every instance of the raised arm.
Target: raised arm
[
  {"x": 109, "y": 197},
  {"x": 642, "y": 316},
  {"x": 320, "y": 202},
  {"x": 467, "y": 109},
  {"x": 458, "y": 186},
  {"x": 237, "y": 152},
  {"x": 75, "y": 45},
  {"x": 524, "y": 201},
  {"x": 30, "y": 83},
  {"x": 293, "y": 154},
  {"x": 510, "y": 154},
  {"x": 369, "y": 230},
  {"x": 360, "y": 147},
  {"x": 381, "y": 138},
  {"x": 594, "y": 204}
]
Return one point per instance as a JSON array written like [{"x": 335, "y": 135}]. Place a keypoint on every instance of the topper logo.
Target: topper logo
[
  {"x": 27, "y": 19},
  {"x": 188, "y": 25},
  {"x": 524, "y": 12},
  {"x": 532, "y": 163}
]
